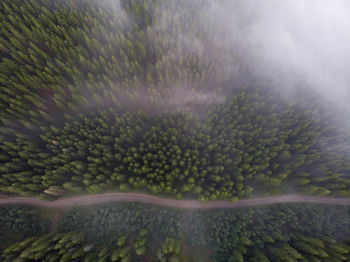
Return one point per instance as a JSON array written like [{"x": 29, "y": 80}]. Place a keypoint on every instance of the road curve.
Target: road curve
[{"x": 167, "y": 202}]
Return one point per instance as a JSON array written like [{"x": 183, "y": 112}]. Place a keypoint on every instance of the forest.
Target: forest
[
  {"x": 137, "y": 232},
  {"x": 106, "y": 95},
  {"x": 160, "y": 97}
]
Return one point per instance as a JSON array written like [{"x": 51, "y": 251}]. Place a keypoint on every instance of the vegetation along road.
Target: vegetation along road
[{"x": 191, "y": 204}]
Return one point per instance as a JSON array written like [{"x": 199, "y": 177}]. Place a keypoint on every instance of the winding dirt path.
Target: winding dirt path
[{"x": 189, "y": 204}]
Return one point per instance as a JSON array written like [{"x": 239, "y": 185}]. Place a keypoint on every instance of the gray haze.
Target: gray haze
[
  {"x": 309, "y": 39},
  {"x": 286, "y": 41},
  {"x": 293, "y": 39}
]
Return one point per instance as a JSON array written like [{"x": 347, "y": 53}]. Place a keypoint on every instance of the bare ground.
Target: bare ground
[{"x": 188, "y": 204}]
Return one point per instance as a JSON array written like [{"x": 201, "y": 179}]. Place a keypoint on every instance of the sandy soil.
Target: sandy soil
[{"x": 190, "y": 204}]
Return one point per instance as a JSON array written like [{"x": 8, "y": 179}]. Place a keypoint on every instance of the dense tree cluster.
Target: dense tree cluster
[
  {"x": 100, "y": 95},
  {"x": 116, "y": 232},
  {"x": 111, "y": 222},
  {"x": 234, "y": 151},
  {"x": 157, "y": 96},
  {"x": 71, "y": 246},
  {"x": 51, "y": 247},
  {"x": 18, "y": 223},
  {"x": 64, "y": 54},
  {"x": 261, "y": 233},
  {"x": 135, "y": 232},
  {"x": 169, "y": 251}
]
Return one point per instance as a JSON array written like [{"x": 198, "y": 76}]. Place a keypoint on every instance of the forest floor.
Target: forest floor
[{"x": 168, "y": 202}]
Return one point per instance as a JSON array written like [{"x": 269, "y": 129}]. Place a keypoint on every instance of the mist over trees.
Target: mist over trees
[
  {"x": 189, "y": 99},
  {"x": 136, "y": 232},
  {"x": 149, "y": 95}
]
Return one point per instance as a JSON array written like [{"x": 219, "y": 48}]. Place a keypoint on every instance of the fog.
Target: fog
[
  {"x": 307, "y": 39},
  {"x": 290, "y": 43},
  {"x": 287, "y": 42}
]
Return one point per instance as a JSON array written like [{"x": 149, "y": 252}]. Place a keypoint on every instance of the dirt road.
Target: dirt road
[{"x": 189, "y": 204}]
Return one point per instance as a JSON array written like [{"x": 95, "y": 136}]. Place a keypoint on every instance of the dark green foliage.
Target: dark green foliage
[
  {"x": 102, "y": 95},
  {"x": 177, "y": 154},
  {"x": 114, "y": 221},
  {"x": 135, "y": 232},
  {"x": 240, "y": 232},
  {"x": 18, "y": 223},
  {"x": 52, "y": 247},
  {"x": 169, "y": 251},
  {"x": 115, "y": 232},
  {"x": 71, "y": 246},
  {"x": 144, "y": 95}
]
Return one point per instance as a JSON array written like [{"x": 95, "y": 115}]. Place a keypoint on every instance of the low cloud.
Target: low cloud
[{"x": 303, "y": 40}]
